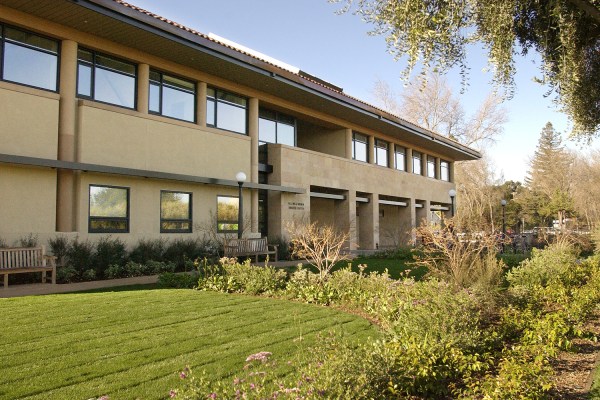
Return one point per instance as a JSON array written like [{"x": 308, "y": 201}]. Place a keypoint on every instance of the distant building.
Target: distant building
[{"x": 117, "y": 121}]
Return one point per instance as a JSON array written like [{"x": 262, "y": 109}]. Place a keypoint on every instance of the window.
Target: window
[
  {"x": 106, "y": 79},
  {"x": 28, "y": 59},
  {"x": 445, "y": 171},
  {"x": 274, "y": 127},
  {"x": 430, "y": 167},
  {"x": 400, "y": 158},
  {"x": 109, "y": 209},
  {"x": 416, "y": 157},
  {"x": 381, "y": 153},
  {"x": 172, "y": 97},
  {"x": 359, "y": 147},
  {"x": 175, "y": 212},
  {"x": 227, "y": 214},
  {"x": 226, "y": 111}
]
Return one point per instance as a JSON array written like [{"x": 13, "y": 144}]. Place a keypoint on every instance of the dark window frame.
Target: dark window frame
[
  {"x": 217, "y": 100},
  {"x": 226, "y": 221},
  {"x": 189, "y": 220},
  {"x": 378, "y": 144},
  {"x": 91, "y": 218},
  {"x": 93, "y": 68},
  {"x": 354, "y": 140},
  {"x": 3, "y": 40},
  {"x": 277, "y": 121},
  {"x": 160, "y": 94}
]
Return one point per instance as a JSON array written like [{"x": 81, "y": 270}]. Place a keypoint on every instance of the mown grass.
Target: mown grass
[
  {"x": 130, "y": 344},
  {"x": 595, "y": 391}
]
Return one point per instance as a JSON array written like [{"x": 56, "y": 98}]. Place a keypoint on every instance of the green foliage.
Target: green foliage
[
  {"x": 109, "y": 251},
  {"x": 147, "y": 250},
  {"x": 131, "y": 269},
  {"x": 80, "y": 258},
  {"x": 29, "y": 240},
  {"x": 59, "y": 246},
  {"x": 177, "y": 281}
]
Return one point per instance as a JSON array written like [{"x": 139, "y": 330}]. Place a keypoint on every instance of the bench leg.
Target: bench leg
[
  {"x": 43, "y": 276},
  {"x": 5, "y": 281}
]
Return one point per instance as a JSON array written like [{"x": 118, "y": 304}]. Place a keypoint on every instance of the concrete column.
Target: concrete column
[
  {"x": 451, "y": 171},
  {"x": 143, "y": 88},
  {"x": 253, "y": 133},
  {"x": 345, "y": 217},
  {"x": 422, "y": 214},
  {"x": 371, "y": 149},
  {"x": 369, "y": 223},
  {"x": 423, "y": 164},
  {"x": 67, "y": 117},
  {"x": 409, "y": 160},
  {"x": 349, "y": 144},
  {"x": 201, "y": 104},
  {"x": 392, "y": 156},
  {"x": 438, "y": 171}
]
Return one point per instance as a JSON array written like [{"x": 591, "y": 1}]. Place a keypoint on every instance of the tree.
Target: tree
[
  {"x": 585, "y": 189},
  {"x": 549, "y": 177},
  {"x": 436, "y": 34}
]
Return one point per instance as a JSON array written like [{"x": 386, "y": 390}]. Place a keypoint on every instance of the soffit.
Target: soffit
[{"x": 123, "y": 25}]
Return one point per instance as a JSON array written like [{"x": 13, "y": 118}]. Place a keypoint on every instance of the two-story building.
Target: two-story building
[{"x": 116, "y": 120}]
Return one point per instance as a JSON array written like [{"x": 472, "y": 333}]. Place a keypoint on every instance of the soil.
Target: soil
[{"x": 575, "y": 369}]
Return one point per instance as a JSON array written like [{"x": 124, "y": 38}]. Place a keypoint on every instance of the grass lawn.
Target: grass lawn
[
  {"x": 595, "y": 392},
  {"x": 130, "y": 344}
]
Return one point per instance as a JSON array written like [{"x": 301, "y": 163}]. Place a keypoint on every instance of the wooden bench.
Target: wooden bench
[
  {"x": 249, "y": 247},
  {"x": 24, "y": 260}
]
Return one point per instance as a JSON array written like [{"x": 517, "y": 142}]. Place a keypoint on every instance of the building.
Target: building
[{"x": 118, "y": 121}]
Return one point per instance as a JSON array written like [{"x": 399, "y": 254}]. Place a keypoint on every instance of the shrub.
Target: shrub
[
  {"x": 148, "y": 250},
  {"x": 59, "y": 246},
  {"x": 177, "y": 281},
  {"x": 80, "y": 258},
  {"x": 3, "y": 244},
  {"x": 30, "y": 240},
  {"x": 109, "y": 251},
  {"x": 284, "y": 251}
]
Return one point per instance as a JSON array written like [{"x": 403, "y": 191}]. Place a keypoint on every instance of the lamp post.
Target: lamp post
[
  {"x": 240, "y": 177},
  {"x": 452, "y": 194},
  {"x": 503, "y": 204}
]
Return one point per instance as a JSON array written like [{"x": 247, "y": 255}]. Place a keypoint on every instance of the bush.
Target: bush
[
  {"x": 148, "y": 250},
  {"x": 178, "y": 281},
  {"x": 30, "y": 240},
  {"x": 80, "y": 258},
  {"x": 3, "y": 244},
  {"x": 283, "y": 247},
  {"x": 59, "y": 246},
  {"x": 109, "y": 251}
]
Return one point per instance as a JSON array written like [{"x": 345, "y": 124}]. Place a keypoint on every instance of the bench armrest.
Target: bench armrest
[{"x": 51, "y": 259}]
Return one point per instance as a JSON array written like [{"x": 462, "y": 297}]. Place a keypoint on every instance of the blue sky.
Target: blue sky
[{"x": 310, "y": 35}]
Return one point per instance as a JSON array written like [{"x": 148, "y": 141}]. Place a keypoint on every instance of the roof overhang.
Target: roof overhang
[{"x": 116, "y": 22}]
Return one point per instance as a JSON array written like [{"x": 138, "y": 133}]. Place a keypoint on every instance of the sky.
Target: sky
[{"x": 311, "y": 35}]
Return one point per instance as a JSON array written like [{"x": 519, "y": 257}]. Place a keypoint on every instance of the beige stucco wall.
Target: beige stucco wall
[
  {"x": 27, "y": 202},
  {"x": 313, "y": 137},
  {"x": 29, "y": 121},
  {"x": 110, "y": 136}
]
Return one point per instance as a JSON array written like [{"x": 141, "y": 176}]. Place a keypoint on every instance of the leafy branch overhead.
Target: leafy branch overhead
[{"x": 436, "y": 34}]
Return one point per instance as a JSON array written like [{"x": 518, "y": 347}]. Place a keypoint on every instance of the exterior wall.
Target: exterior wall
[{"x": 316, "y": 138}]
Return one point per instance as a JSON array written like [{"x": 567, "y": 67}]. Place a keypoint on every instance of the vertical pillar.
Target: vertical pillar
[
  {"x": 349, "y": 143},
  {"x": 369, "y": 223},
  {"x": 371, "y": 149},
  {"x": 392, "y": 156},
  {"x": 253, "y": 133},
  {"x": 65, "y": 190},
  {"x": 143, "y": 88},
  {"x": 409, "y": 160},
  {"x": 423, "y": 164},
  {"x": 201, "y": 103},
  {"x": 451, "y": 171},
  {"x": 345, "y": 217},
  {"x": 438, "y": 171}
]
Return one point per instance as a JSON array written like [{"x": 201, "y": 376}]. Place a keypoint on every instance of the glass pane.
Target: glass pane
[
  {"x": 430, "y": 168},
  {"x": 286, "y": 134},
  {"x": 114, "y": 88},
  {"x": 31, "y": 39},
  {"x": 417, "y": 164},
  {"x": 360, "y": 138},
  {"x": 210, "y": 112},
  {"x": 231, "y": 98},
  {"x": 109, "y": 62},
  {"x": 85, "y": 55},
  {"x": 264, "y": 113},
  {"x": 400, "y": 161},
  {"x": 29, "y": 67},
  {"x": 210, "y": 92},
  {"x": 108, "y": 202},
  {"x": 155, "y": 76},
  {"x": 179, "y": 83},
  {"x": 266, "y": 131},
  {"x": 360, "y": 151},
  {"x": 286, "y": 119},
  {"x": 444, "y": 175},
  {"x": 154, "y": 98},
  {"x": 226, "y": 227},
  {"x": 176, "y": 226},
  {"x": 84, "y": 80},
  {"x": 174, "y": 205},
  {"x": 227, "y": 213},
  {"x": 108, "y": 225},
  {"x": 230, "y": 117},
  {"x": 178, "y": 104},
  {"x": 382, "y": 155}
]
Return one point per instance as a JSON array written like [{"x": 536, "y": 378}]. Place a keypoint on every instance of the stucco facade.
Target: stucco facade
[{"x": 167, "y": 119}]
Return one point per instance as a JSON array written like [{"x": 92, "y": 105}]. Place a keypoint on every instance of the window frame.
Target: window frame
[
  {"x": 217, "y": 100},
  {"x": 430, "y": 161},
  {"x": 3, "y": 41},
  {"x": 188, "y": 220},
  {"x": 236, "y": 222},
  {"x": 160, "y": 94},
  {"x": 127, "y": 219},
  {"x": 403, "y": 152},
  {"x": 378, "y": 144},
  {"x": 366, "y": 142},
  {"x": 417, "y": 155},
  {"x": 93, "y": 66},
  {"x": 277, "y": 121},
  {"x": 447, "y": 169}
]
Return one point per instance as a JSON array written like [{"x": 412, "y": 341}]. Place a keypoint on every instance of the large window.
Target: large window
[
  {"x": 274, "y": 127},
  {"x": 445, "y": 171},
  {"x": 360, "y": 144},
  {"x": 430, "y": 167},
  {"x": 381, "y": 153},
  {"x": 227, "y": 111},
  {"x": 416, "y": 162},
  {"x": 175, "y": 212},
  {"x": 172, "y": 97},
  {"x": 28, "y": 59},
  {"x": 227, "y": 214},
  {"x": 106, "y": 79},
  {"x": 400, "y": 158},
  {"x": 109, "y": 209}
]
